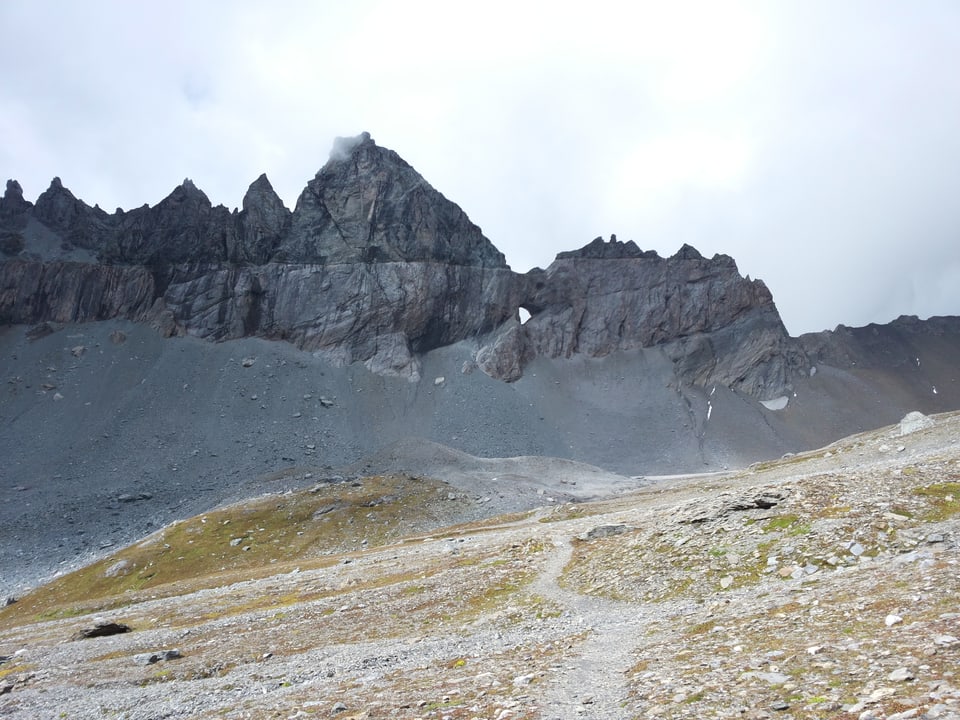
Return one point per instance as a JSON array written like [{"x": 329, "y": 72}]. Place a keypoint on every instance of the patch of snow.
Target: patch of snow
[
  {"x": 778, "y": 403},
  {"x": 709, "y": 410},
  {"x": 524, "y": 315}
]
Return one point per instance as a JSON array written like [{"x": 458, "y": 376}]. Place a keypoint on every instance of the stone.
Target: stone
[
  {"x": 913, "y": 422},
  {"x": 134, "y": 497},
  {"x": 856, "y": 549},
  {"x": 603, "y": 531},
  {"x": 39, "y": 331},
  {"x": 118, "y": 569},
  {"x": 891, "y": 620},
  {"x": 102, "y": 629},
  {"x": 901, "y": 674},
  {"x": 773, "y": 678},
  {"x": 155, "y": 657}
]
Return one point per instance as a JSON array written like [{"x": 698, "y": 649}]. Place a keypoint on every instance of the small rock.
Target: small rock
[
  {"x": 134, "y": 497},
  {"x": 726, "y": 581},
  {"x": 118, "y": 337},
  {"x": 774, "y": 678},
  {"x": 780, "y": 706},
  {"x": 604, "y": 531},
  {"x": 248, "y": 362},
  {"x": 78, "y": 350},
  {"x": 881, "y": 693},
  {"x": 901, "y": 674},
  {"x": 121, "y": 567},
  {"x": 905, "y": 715},
  {"x": 934, "y": 538},
  {"x": 338, "y": 707},
  {"x": 522, "y": 680},
  {"x": 892, "y": 620},
  {"x": 439, "y": 380},
  {"x": 39, "y": 331}
]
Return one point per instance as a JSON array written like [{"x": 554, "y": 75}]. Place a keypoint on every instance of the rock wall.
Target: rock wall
[{"x": 374, "y": 265}]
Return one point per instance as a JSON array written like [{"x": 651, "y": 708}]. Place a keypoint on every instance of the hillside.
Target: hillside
[
  {"x": 821, "y": 585},
  {"x": 165, "y": 359}
]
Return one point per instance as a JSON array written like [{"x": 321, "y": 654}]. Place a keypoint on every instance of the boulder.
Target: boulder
[{"x": 914, "y": 421}]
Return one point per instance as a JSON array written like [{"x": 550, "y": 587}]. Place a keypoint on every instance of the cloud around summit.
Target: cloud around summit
[{"x": 815, "y": 142}]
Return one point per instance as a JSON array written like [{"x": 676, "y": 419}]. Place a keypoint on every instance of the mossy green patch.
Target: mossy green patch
[
  {"x": 943, "y": 499},
  {"x": 255, "y": 538},
  {"x": 780, "y": 522}
]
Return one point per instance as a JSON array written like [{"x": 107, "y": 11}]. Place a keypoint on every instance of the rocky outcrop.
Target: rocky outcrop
[
  {"x": 376, "y": 266},
  {"x": 368, "y": 205},
  {"x": 384, "y": 314},
  {"x": 716, "y": 325},
  {"x": 261, "y": 224},
  {"x": 33, "y": 292}
]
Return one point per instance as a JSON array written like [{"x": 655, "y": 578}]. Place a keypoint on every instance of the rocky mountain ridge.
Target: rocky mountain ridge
[
  {"x": 411, "y": 319},
  {"x": 373, "y": 265}
]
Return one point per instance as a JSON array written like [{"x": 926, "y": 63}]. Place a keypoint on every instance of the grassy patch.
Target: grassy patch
[
  {"x": 943, "y": 499},
  {"x": 781, "y": 522},
  {"x": 16, "y": 669},
  {"x": 701, "y": 628},
  {"x": 255, "y": 538}
]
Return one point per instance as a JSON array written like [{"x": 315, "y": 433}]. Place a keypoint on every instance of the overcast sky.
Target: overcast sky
[{"x": 818, "y": 143}]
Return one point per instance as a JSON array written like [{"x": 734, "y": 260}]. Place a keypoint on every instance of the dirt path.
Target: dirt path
[{"x": 593, "y": 682}]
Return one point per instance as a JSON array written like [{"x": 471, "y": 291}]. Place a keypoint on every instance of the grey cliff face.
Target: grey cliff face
[
  {"x": 376, "y": 266},
  {"x": 33, "y": 292},
  {"x": 368, "y": 205},
  {"x": 262, "y": 224},
  {"x": 605, "y": 297}
]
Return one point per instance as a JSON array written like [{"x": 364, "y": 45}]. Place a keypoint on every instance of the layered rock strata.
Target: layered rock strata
[{"x": 374, "y": 265}]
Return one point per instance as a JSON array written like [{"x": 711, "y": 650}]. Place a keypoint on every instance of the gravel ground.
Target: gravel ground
[{"x": 822, "y": 585}]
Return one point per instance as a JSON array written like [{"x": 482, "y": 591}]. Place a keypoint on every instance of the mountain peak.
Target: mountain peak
[
  {"x": 377, "y": 208},
  {"x": 343, "y": 147},
  {"x": 14, "y": 192}
]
